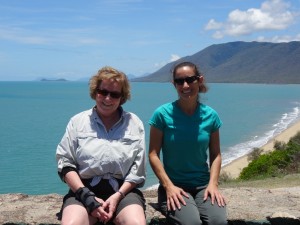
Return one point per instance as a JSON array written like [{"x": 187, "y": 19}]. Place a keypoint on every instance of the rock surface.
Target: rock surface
[{"x": 243, "y": 204}]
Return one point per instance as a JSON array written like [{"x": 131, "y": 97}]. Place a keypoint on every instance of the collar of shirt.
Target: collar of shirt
[{"x": 99, "y": 121}]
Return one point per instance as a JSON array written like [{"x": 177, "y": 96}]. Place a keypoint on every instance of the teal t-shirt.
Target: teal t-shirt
[{"x": 185, "y": 142}]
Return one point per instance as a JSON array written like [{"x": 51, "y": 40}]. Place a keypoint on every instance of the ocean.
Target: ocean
[{"x": 34, "y": 115}]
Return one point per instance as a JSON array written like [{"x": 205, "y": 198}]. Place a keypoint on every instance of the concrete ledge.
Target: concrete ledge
[
  {"x": 277, "y": 221},
  {"x": 246, "y": 206},
  {"x": 162, "y": 221}
]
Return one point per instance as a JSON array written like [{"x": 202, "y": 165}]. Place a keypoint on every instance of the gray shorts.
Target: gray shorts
[{"x": 103, "y": 190}]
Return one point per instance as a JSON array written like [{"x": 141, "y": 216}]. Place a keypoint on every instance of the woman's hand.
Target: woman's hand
[
  {"x": 174, "y": 197},
  {"x": 99, "y": 212},
  {"x": 109, "y": 207},
  {"x": 214, "y": 193}
]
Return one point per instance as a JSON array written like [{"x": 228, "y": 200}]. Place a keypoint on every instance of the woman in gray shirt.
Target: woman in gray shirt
[{"x": 101, "y": 157}]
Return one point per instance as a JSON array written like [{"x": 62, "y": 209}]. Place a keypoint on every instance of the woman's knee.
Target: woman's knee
[
  {"x": 73, "y": 221},
  {"x": 183, "y": 221},
  {"x": 132, "y": 214},
  {"x": 187, "y": 215},
  {"x": 136, "y": 220},
  {"x": 217, "y": 221},
  {"x": 75, "y": 215}
]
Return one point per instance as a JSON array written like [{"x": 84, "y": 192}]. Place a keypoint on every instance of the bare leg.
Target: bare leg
[
  {"x": 131, "y": 215},
  {"x": 76, "y": 215}
]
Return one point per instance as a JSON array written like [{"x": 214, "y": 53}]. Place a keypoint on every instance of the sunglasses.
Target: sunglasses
[
  {"x": 113, "y": 94},
  {"x": 189, "y": 80}
]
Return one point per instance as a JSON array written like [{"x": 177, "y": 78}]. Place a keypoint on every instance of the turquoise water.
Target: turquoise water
[{"x": 33, "y": 117}]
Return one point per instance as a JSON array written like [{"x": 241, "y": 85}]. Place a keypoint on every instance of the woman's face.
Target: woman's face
[
  {"x": 108, "y": 97},
  {"x": 186, "y": 82}
]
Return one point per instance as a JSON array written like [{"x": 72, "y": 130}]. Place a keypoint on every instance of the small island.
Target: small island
[{"x": 60, "y": 79}]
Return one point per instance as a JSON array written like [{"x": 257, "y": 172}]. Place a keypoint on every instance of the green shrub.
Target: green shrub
[
  {"x": 296, "y": 139},
  {"x": 255, "y": 154},
  {"x": 266, "y": 165},
  {"x": 279, "y": 145},
  {"x": 283, "y": 160}
]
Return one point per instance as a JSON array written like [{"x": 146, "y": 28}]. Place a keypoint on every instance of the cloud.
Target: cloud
[
  {"x": 173, "y": 58},
  {"x": 280, "y": 39},
  {"x": 67, "y": 37},
  {"x": 213, "y": 25},
  {"x": 272, "y": 15},
  {"x": 18, "y": 35}
]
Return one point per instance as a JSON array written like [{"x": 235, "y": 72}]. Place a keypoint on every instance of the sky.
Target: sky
[{"x": 73, "y": 39}]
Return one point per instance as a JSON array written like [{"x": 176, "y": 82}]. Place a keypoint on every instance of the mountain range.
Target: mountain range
[{"x": 241, "y": 62}]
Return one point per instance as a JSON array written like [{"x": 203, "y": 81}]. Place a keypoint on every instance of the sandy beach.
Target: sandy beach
[{"x": 235, "y": 167}]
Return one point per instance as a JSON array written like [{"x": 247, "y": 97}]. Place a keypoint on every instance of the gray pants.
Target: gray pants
[{"x": 196, "y": 211}]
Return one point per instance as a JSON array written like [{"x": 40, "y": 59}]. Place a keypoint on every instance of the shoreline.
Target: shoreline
[{"x": 234, "y": 168}]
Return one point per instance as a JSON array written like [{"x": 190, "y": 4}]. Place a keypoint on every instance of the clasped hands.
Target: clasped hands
[
  {"x": 102, "y": 210},
  {"x": 106, "y": 209}
]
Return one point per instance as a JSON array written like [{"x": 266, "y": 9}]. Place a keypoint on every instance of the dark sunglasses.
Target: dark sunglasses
[
  {"x": 189, "y": 80},
  {"x": 113, "y": 94}
]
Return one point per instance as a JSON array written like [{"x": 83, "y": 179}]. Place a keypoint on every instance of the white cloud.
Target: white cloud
[
  {"x": 213, "y": 25},
  {"x": 218, "y": 35},
  {"x": 173, "y": 58},
  {"x": 67, "y": 37},
  {"x": 18, "y": 35},
  {"x": 279, "y": 39},
  {"x": 272, "y": 15}
]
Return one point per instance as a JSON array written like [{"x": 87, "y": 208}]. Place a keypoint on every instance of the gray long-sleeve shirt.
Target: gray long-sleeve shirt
[{"x": 95, "y": 152}]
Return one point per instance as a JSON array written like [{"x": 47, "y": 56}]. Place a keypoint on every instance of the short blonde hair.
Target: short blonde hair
[{"x": 108, "y": 72}]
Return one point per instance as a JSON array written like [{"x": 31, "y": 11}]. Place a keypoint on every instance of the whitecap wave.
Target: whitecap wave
[{"x": 241, "y": 149}]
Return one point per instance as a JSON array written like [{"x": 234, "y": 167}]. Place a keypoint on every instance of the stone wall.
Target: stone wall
[{"x": 244, "y": 206}]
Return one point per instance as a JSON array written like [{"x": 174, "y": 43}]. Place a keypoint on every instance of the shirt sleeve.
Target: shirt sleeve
[
  {"x": 65, "y": 152},
  {"x": 137, "y": 172},
  {"x": 217, "y": 123},
  {"x": 157, "y": 119}
]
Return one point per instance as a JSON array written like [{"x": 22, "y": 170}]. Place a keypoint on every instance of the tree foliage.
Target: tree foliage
[{"x": 283, "y": 160}]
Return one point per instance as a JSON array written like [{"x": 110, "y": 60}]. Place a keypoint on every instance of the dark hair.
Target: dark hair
[{"x": 203, "y": 88}]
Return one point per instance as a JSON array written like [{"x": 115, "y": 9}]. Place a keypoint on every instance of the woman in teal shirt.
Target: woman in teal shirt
[{"x": 187, "y": 133}]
